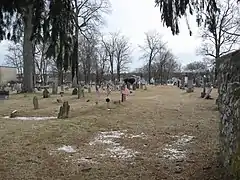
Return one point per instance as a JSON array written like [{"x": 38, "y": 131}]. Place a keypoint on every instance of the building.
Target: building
[{"x": 7, "y": 74}]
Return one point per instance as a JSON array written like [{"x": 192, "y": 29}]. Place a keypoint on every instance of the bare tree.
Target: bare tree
[
  {"x": 42, "y": 63},
  {"x": 152, "y": 46},
  {"x": 101, "y": 64},
  {"x": 87, "y": 52},
  {"x": 219, "y": 34},
  {"x": 88, "y": 15},
  {"x": 122, "y": 54},
  {"x": 109, "y": 43},
  {"x": 164, "y": 64},
  {"x": 15, "y": 57}
]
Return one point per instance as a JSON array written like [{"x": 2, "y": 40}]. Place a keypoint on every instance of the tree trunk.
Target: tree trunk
[
  {"x": 118, "y": 73},
  {"x": 149, "y": 72},
  {"x": 60, "y": 77},
  {"x": 28, "y": 51}
]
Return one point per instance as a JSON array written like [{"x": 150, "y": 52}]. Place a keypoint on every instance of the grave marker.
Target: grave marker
[
  {"x": 64, "y": 110},
  {"x": 45, "y": 93},
  {"x": 35, "y": 102}
]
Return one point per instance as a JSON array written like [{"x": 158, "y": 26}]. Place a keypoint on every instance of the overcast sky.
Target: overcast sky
[{"x": 133, "y": 18}]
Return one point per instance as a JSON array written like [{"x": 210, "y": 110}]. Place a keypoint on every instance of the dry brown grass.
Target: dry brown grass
[{"x": 29, "y": 148}]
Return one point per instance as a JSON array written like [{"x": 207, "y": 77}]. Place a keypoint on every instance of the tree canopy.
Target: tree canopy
[
  {"x": 55, "y": 25},
  {"x": 172, "y": 10}
]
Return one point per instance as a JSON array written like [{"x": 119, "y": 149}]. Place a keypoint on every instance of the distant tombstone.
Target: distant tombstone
[
  {"x": 190, "y": 87},
  {"x": 141, "y": 85},
  {"x": 82, "y": 92},
  {"x": 74, "y": 82},
  {"x": 145, "y": 87},
  {"x": 62, "y": 88},
  {"x": 45, "y": 93},
  {"x": 123, "y": 93},
  {"x": 54, "y": 88},
  {"x": 61, "y": 93},
  {"x": 64, "y": 110},
  {"x": 18, "y": 88},
  {"x": 35, "y": 102},
  {"x": 89, "y": 89},
  {"x": 75, "y": 91},
  {"x": 137, "y": 85},
  {"x": 134, "y": 87},
  {"x": 128, "y": 85}
]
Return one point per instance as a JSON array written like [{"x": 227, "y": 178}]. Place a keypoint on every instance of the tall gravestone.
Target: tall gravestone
[{"x": 54, "y": 87}]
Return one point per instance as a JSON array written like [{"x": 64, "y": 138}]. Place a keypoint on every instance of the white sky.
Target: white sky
[{"x": 133, "y": 18}]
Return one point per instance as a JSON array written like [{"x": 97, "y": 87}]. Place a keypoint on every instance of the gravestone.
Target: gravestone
[
  {"x": 89, "y": 89},
  {"x": 79, "y": 92},
  {"x": 54, "y": 88},
  {"x": 137, "y": 85},
  {"x": 82, "y": 92},
  {"x": 145, "y": 87},
  {"x": 134, "y": 87},
  {"x": 64, "y": 110},
  {"x": 123, "y": 93},
  {"x": 62, "y": 88},
  {"x": 189, "y": 80},
  {"x": 35, "y": 102},
  {"x": 75, "y": 91},
  {"x": 13, "y": 114},
  {"x": 45, "y": 93}
]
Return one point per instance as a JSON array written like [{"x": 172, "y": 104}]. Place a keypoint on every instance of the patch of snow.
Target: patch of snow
[
  {"x": 114, "y": 149},
  {"x": 67, "y": 149},
  {"x": 174, "y": 151},
  {"x": 107, "y": 138},
  {"x": 121, "y": 152},
  {"x": 85, "y": 161},
  {"x": 31, "y": 118},
  {"x": 142, "y": 136}
]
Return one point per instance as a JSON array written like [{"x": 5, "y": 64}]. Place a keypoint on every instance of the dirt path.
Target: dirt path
[{"x": 163, "y": 133}]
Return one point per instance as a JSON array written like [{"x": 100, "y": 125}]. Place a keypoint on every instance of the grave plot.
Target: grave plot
[{"x": 156, "y": 133}]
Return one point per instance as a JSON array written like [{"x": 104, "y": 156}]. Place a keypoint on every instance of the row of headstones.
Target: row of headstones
[{"x": 63, "y": 111}]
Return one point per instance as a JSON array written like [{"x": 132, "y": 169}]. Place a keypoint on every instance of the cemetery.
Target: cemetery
[
  {"x": 63, "y": 136},
  {"x": 115, "y": 90}
]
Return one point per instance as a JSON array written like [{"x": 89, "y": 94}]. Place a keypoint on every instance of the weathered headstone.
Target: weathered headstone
[
  {"x": 190, "y": 87},
  {"x": 54, "y": 88},
  {"x": 13, "y": 114},
  {"x": 62, "y": 87},
  {"x": 35, "y": 102},
  {"x": 89, "y": 89},
  {"x": 134, "y": 87},
  {"x": 123, "y": 93},
  {"x": 145, "y": 87},
  {"x": 141, "y": 85},
  {"x": 45, "y": 93},
  {"x": 75, "y": 91},
  {"x": 61, "y": 93},
  {"x": 79, "y": 92},
  {"x": 64, "y": 110},
  {"x": 82, "y": 92}
]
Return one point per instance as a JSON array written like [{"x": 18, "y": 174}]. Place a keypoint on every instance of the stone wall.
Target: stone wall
[{"x": 229, "y": 107}]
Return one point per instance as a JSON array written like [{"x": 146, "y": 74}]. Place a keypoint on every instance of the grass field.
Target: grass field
[{"x": 161, "y": 133}]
